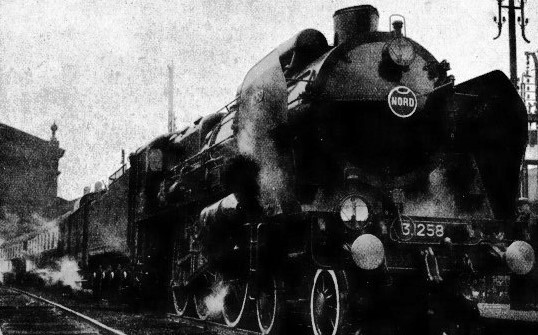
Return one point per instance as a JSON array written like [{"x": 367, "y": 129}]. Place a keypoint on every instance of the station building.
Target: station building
[
  {"x": 528, "y": 89},
  {"x": 29, "y": 176}
]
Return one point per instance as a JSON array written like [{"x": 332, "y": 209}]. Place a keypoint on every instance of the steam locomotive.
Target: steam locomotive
[{"x": 351, "y": 187}]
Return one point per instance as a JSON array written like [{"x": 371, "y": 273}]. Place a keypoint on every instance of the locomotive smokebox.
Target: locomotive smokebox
[{"x": 353, "y": 21}]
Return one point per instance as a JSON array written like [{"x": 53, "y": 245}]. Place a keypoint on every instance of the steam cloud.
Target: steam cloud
[
  {"x": 255, "y": 140},
  {"x": 263, "y": 107},
  {"x": 42, "y": 223},
  {"x": 215, "y": 300},
  {"x": 12, "y": 224},
  {"x": 65, "y": 272}
]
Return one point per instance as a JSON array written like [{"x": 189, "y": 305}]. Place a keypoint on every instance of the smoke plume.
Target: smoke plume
[
  {"x": 65, "y": 272},
  {"x": 262, "y": 112},
  {"x": 215, "y": 300},
  {"x": 42, "y": 223},
  {"x": 13, "y": 224}
]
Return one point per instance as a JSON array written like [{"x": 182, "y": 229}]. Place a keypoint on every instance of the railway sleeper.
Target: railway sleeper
[
  {"x": 52, "y": 332},
  {"x": 21, "y": 318},
  {"x": 44, "y": 326}
]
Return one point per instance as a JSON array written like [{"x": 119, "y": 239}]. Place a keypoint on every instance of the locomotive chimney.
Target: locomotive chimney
[{"x": 353, "y": 21}]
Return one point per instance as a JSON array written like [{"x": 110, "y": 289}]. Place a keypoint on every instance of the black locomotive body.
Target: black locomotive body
[{"x": 348, "y": 184}]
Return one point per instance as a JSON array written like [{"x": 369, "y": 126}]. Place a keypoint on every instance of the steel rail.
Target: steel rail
[
  {"x": 206, "y": 325},
  {"x": 93, "y": 322}
]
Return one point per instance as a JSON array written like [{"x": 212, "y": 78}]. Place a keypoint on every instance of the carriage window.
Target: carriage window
[{"x": 225, "y": 131}]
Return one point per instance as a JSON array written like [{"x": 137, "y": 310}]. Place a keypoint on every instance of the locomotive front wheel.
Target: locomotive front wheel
[
  {"x": 328, "y": 302},
  {"x": 235, "y": 301},
  {"x": 269, "y": 307},
  {"x": 180, "y": 295}
]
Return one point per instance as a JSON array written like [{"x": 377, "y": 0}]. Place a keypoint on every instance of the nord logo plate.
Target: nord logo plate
[{"x": 402, "y": 101}]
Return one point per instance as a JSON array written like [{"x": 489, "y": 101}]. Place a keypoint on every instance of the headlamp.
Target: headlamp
[
  {"x": 401, "y": 51},
  {"x": 368, "y": 252},
  {"x": 520, "y": 257},
  {"x": 354, "y": 212}
]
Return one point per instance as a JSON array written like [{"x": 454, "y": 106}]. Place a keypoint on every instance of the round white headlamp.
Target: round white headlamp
[
  {"x": 520, "y": 257},
  {"x": 353, "y": 212},
  {"x": 368, "y": 252}
]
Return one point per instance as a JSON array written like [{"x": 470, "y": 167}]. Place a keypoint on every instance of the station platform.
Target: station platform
[
  {"x": 500, "y": 319},
  {"x": 503, "y": 312}
]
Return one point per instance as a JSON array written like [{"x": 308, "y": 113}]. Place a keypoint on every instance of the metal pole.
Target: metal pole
[
  {"x": 512, "y": 41},
  {"x": 171, "y": 113},
  {"x": 522, "y": 21},
  {"x": 525, "y": 180}
]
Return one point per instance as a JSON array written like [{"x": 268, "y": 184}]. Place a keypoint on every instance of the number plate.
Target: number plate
[{"x": 420, "y": 231}]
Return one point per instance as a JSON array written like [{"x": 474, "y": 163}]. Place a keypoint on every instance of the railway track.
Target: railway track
[
  {"x": 210, "y": 327},
  {"x": 23, "y": 313}
]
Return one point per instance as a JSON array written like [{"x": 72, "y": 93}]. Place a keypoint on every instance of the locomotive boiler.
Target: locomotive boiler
[{"x": 346, "y": 184}]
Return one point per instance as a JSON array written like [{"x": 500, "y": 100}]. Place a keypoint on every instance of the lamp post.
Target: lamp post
[
  {"x": 522, "y": 21},
  {"x": 171, "y": 113}
]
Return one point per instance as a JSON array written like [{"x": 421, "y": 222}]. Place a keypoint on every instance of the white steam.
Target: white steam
[
  {"x": 65, "y": 272},
  {"x": 43, "y": 223},
  {"x": 215, "y": 300},
  {"x": 262, "y": 113}
]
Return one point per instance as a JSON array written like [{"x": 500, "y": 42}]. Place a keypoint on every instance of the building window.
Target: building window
[{"x": 533, "y": 137}]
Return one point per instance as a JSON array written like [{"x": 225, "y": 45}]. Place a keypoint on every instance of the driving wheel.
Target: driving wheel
[
  {"x": 270, "y": 306},
  {"x": 235, "y": 301},
  {"x": 328, "y": 303},
  {"x": 180, "y": 295}
]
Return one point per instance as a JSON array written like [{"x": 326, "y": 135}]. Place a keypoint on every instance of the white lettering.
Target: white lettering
[{"x": 402, "y": 102}]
